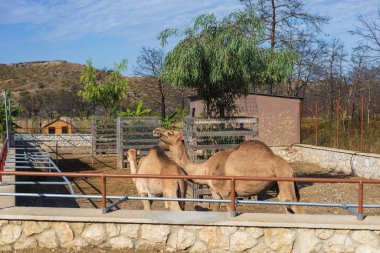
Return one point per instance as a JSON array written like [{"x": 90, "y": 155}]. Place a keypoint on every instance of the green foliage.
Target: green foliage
[
  {"x": 106, "y": 93},
  {"x": 169, "y": 122},
  {"x": 222, "y": 59},
  {"x": 136, "y": 113}
]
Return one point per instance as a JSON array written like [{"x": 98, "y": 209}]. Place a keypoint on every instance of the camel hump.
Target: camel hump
[
  {"x": 160, "y": 154},
  {"x": 254, "y": 146}
]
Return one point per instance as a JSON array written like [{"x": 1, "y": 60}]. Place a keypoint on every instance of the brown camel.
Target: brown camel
[
  {"x": 157, "y": 162},
  {"x": 250, "y": 158}
]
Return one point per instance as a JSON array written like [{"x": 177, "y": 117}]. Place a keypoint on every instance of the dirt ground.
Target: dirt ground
[{"x": 317, "y": 192}]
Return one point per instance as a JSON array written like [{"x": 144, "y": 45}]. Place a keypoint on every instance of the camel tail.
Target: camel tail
[{"x": 297, "y": 190}]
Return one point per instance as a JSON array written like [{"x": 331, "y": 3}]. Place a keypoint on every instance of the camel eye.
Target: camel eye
[{"x": 170, "y": 133}]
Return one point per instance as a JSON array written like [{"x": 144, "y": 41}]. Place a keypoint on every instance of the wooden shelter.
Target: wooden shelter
[
  {"x": 59, "y": 126},
  {"x": 279, "y": 117}
]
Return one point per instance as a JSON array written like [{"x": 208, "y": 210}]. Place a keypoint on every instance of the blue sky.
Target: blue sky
[{"x": 110, "y": 30}]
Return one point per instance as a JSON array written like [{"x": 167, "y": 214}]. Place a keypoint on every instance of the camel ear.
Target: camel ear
[{"x": 181, "y": 137}]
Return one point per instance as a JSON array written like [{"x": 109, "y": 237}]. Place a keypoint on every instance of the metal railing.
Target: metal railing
[
  {"x": 233, "y": 201},
  {"x": 3, "y": 156}
]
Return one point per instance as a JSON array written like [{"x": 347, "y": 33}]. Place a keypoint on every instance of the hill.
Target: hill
[{"x": 40, "y": 76}]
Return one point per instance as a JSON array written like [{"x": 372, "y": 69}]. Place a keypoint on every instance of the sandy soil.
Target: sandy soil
[{"x": 318, "y": 192}]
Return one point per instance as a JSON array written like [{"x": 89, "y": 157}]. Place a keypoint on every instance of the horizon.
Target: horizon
[{"x": 34, "y": 31}]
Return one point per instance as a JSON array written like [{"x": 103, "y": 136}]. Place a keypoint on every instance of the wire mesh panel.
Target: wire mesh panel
[
  {"x": 104, "y": 132},
  {"x": 204, "y": 137},
  {"x": 137, "y": 132}
]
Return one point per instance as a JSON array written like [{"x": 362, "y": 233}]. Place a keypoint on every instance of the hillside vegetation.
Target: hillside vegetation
[{"x": 39, "y": 77}]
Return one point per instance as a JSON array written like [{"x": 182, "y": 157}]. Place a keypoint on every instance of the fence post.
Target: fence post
[
  {"x": 119, "y": 150},
  {"x": 362, "y": 126},
  {"x": 93, "y": 140},
  {"x": 316, "y": 124},
  {"x": 360, "y": 201},
  {"x": 337, "y": 122},
  {"x": 104, "y": 188},
  {"x": 233, "y": 199}
]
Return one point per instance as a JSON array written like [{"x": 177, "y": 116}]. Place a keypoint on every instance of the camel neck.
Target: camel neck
[
  {"x": 181, "y": 158},
  {"x": 134, "y": 167}
]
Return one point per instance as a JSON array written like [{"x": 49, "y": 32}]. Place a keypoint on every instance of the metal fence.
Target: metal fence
[
  {"x": 204, "y": 137},
  {"x": 357, "y": 209}
]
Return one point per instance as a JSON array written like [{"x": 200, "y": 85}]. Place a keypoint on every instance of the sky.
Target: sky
[{"x": 107, "y": 31}]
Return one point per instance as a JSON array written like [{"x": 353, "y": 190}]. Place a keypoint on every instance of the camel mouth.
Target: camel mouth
[{"x": 156, "y": 133}]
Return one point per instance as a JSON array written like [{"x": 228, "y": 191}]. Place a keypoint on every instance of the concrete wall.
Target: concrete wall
[
  {"x": 154, "y": 231},
  {"x": 342, "y": 161}
]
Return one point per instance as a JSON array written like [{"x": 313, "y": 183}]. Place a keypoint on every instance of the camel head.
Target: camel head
[
  {"x": 131, "y": 154},
  {"x": 169, "y": 137}
]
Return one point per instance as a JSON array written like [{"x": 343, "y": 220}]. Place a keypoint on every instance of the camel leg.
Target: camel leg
[
  {"x": 288, "y": 193},
  {"x": 215, "y": 206},
  {"x": 147, "y": 203},
  {"x": 170, "y": 191}
]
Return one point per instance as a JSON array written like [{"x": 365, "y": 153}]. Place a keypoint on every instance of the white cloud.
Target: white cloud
[{"x": 134, "y": 20}]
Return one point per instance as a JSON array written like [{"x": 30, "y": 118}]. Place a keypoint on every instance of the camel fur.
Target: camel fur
[
  {"x": 157, "y": 162},
  {"x": 250, "y": 158}
]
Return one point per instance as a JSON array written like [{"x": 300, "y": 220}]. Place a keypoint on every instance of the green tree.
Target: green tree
[
  {"x": 222, "y": 59},
  {"x": 107, "y": 92},
  {"x": 136, "y": 113}
]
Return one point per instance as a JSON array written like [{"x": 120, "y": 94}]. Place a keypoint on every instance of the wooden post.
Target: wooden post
[
  {"x": 337, "y": 123},
  {"x": 316, "y": 124},
  {"x": 362, "y": 126},
  {"x": 93, "y": 140},
  {"x": 119, "y": 149}
]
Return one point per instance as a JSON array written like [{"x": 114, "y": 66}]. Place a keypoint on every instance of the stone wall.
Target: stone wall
[
  {"x": 17, "y": 235},
  {"x": 341, "y": 161},
  {"x": 65, "y": 140}
]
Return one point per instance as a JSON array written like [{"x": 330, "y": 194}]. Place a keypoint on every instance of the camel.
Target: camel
[
  {"x": 157, "y": 162},
  {"x": 250, "y": 158}
]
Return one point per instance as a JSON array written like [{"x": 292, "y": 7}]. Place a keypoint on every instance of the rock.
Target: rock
[
  {"x": 112, "y": 229},
  {"x": 255, "y": 232},
  {"x": 211, "y": 236},
  {"x": 341, "y": 248},
  {"x": 338, "y": 239},
  {"x": 181, "y": 240},
  {"x": 365, "y": 237},
  {"x": 155, "y": 233},
  {"x": 77, "y": 228},
  {"x": 130, "y": 230},
  {"x": 48, "y": 239},
  {"x": 63, "y": 232},
  {"x": 261, "y": 248},
  {"x": 5, "y": 248},
  {"x": 9, "y": 234},
  {"x": 279, "y": 239},
  {"x": 94, "y": 234},
  {"x": 367, "y": 249},
  {"x": 121, "y": 242},
  {"x": 77, "y": 242},
  {"x": 31, "y": 228},
  {"x": 324, "y": 233},
  {"x": 227, "y": 231},
  {"x": 198, "y": 247},
  {"x": 306, "y": 241},
  {"x": 241, "y": 241},
  {"x": 26, "y": 243}
]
